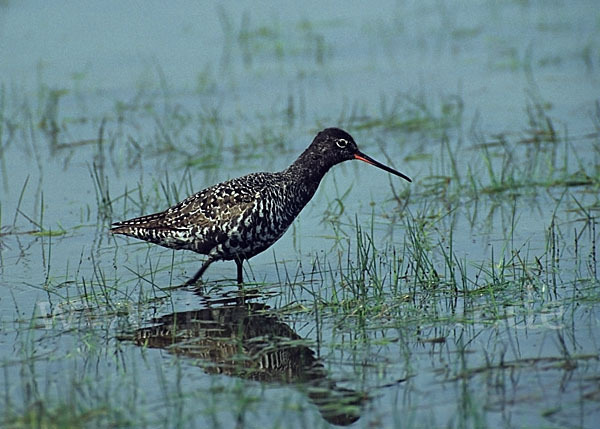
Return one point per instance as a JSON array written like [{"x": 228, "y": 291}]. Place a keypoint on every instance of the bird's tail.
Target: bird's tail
[
  {"x": 148, "y": 221},
  {"x": 155, "y": 228},
  {"x": 150, "y": 228}
]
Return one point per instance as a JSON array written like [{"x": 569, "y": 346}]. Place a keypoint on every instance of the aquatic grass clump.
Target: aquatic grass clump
[
  {"x": 544, "y": 156},
  {"x": 404, "y": 113},
  {"x": 47, "y": 383},
  {"x": 65, "y": 415},
  {"x": 265, "y": 41},
  {"x": 376, "y": 280}
]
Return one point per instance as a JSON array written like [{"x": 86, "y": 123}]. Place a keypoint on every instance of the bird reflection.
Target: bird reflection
[{"x": 235, "y": 337}]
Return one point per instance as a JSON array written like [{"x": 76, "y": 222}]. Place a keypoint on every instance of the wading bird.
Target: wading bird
[{"x": 238, "y": 219}]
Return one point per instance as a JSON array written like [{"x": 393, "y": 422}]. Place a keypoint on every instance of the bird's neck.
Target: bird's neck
[{"x": 309, "y": 168}]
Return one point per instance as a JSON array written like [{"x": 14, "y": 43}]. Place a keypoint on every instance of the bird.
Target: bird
[{"x": 242, "y": 217}]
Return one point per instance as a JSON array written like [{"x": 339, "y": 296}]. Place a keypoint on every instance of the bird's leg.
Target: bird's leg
[
  {"x": 194, "y": 279},
  {"x": 240, "y": 274}
]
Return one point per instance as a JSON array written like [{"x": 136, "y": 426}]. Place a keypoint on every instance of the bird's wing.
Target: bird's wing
[{"x": 217, "y": 204}]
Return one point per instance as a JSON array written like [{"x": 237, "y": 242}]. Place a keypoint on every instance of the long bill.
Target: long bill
[{"x": 362, "y": 157}]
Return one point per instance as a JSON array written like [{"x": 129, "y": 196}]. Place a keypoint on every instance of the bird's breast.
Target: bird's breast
[{"x": 257, "y": 228}]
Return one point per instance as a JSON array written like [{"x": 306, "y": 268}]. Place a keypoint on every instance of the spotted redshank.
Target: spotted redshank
[{"x": 238, "y": 219}]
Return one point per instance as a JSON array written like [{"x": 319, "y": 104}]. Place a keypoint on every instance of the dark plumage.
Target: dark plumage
[{"x": 242, "y": 217}]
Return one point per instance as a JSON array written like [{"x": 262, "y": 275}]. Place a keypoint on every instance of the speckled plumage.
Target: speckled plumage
[{"x": 239, "y": 218}]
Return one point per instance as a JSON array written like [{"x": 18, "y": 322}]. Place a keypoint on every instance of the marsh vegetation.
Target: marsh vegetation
[{"x": 469, "y": 298}]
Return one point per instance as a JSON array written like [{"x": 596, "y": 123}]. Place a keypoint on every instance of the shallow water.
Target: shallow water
[{"x": 144, "y": 105}]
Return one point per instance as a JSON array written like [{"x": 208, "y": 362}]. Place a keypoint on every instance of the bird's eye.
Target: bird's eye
[{"x": 342, "y": 143}]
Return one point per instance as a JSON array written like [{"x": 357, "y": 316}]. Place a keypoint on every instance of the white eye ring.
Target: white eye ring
[{"x": 342, "y": 143}]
